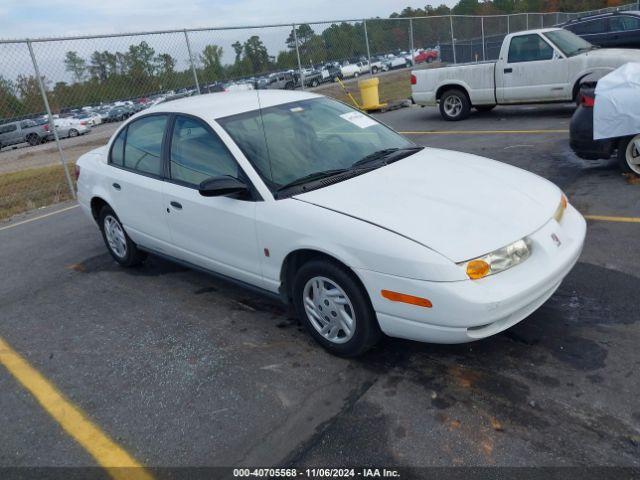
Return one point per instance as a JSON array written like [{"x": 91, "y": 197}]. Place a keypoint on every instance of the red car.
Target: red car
[{"x": 426, "y": 56}]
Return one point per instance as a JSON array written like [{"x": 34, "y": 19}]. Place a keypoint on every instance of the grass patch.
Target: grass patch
[
  {"x": 393, "y": 87},
  {"x": 33, "y": 188}
]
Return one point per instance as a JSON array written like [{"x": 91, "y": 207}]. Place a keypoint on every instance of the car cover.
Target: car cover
[{"x": 617, "y": 109}]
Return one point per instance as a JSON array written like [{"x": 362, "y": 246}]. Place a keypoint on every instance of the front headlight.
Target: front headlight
[{"x": 498, "y": 261}]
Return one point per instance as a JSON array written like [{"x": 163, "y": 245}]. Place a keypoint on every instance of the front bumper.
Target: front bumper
[{"x": 469, "y": 310}]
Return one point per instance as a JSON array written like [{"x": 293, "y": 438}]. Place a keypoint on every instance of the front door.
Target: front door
[
  {"x": 533, "y": 72},
  {"x": 217, "y": 233}
]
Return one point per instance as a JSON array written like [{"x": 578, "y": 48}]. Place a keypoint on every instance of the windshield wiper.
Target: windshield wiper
[
  {"x": 389, "y": 155},
  {"x": 313, "y": 176}
]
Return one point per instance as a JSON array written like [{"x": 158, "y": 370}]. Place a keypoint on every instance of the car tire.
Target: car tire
[
  {"x": 339, "y": 295},
  {"x": 73, "y": 133},
  {"x": 454, "y": 105},
  {"x": 33, "y": 139},
  {"x": 356, "y": 75},
  {"x": 374, "y": 70},
  {"x": 629, "y": 155},
  {"x": 430, "y": 60},
  {"x": 118, "y": 243},
  {"x": 484, "y": 108},
  {"x": 315, "y": 83}
]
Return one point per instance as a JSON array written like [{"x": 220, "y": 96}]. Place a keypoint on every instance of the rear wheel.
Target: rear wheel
[
  {"x": 315, "y": 83},
  {"x": 335, "y": 308},
  {"x": 484, "y": 108},
  {"x": 33, "y": 139},
  {"x": 629, "y": 154},
  {"x": 120, "y": 246},
  {"x": 374, "y": 70},
  {"x": 73, "y": 132},
  {"x": 454, "y": 105}
]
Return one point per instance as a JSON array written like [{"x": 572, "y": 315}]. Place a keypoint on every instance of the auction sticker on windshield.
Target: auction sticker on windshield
[{"x": 358, "y": 119}]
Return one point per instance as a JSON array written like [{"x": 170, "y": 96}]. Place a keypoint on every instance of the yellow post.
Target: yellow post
[{"x": 369, "y": 93}]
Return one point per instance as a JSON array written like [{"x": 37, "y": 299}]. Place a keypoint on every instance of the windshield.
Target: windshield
[
  {"x": 568, "y": 42},
  {"x": 296, "y": 140}
]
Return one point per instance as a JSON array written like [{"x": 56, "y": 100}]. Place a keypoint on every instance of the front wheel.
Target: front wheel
[
  {"x": 73, "y": 133},
  {"x": 629, "y": 154},
  {"x": 454, "y": 105},
  {"x": 120, "y": 246},
  {"x": 314, "y": 83},
  {"x": 374, "y": 70},
  {"x": 335, "y": 308}
]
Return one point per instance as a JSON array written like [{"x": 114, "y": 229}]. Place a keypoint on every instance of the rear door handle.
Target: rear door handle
[
  {"x": 117, "y": 186},
  {"x": 176, "y": 205},
  {"x": 508, "y": 70}
]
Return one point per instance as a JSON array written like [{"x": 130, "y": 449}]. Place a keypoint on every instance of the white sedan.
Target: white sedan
[{"x": 304, "y": 198}]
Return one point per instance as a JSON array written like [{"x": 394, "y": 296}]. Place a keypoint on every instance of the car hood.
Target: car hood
[
  {"x": 460, "y": 205},
  {"x": 614, "y": 57}
]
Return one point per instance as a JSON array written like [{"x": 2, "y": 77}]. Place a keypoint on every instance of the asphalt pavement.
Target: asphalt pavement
[{"x": 180, "y": 369}]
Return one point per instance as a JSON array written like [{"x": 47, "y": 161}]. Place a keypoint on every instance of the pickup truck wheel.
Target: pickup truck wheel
[
  {"x": 73, "y": 133},
  {"x": 484, "y": 108},
  {"x": 454, "y": 105},
  {"x": 335, "y": 308},
  {"x": 33, "y": 139},
  {"x": 629, "y": 154},
  {"x": 120, "y": 246},
  {"x": 374, "y": 70}
]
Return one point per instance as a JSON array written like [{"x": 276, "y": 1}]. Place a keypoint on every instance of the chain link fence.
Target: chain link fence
[{"x": 60, "y": 97}]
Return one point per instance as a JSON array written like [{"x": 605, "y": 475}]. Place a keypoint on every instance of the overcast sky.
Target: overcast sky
[{"x": 38, "y": 18}]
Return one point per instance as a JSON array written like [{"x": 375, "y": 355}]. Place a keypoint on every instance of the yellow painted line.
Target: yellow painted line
[
  {"x": 118, "y": 463},
  {"x": 483, "y": 132},
  {"x": 17, "y": 224},
  {"x": 605, "y": 218}
]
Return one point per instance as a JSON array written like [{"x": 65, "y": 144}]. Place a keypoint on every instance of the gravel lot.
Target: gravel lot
[{"x": 182, "y": 370}]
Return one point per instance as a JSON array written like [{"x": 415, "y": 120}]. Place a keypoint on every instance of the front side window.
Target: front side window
[
  {"x": 529, "y": 48},
  {"x": 287, "y": 142},
  {"x": 624, "y": 23},
  {"x": 198, "y": 154},
  {"x": 143, "y": 144}
]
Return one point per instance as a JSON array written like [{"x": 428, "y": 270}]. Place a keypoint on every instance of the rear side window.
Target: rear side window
[
  {"x": 624, "y": 23},
  {"x": 143, "y": 144},
  {"x": 117, "y": 150},
  {"x": 529, "y": 48},
  {"x": 198, "y": 154}
]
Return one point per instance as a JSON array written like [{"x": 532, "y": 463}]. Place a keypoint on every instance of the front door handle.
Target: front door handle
[
  {"x": 117, "y": 186},
  {"x": 176, "y": 205},
  {"x": 508, "y": 70}
]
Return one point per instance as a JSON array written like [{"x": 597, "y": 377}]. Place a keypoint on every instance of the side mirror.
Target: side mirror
[{"x": 224, "y": 186}]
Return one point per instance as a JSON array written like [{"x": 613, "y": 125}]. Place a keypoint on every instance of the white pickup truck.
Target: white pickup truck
[{"x": 535, "y": 66}]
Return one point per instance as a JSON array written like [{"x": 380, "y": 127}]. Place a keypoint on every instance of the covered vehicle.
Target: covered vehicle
[{"x": 608, "y": 118}]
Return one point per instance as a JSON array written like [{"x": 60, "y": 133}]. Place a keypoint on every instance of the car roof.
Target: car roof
[
  {"x": 223, "y": 104},
  {"x": 596, "y": 16}
]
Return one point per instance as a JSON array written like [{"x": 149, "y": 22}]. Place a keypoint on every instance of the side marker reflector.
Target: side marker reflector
[{"x": 404, "y": 298}]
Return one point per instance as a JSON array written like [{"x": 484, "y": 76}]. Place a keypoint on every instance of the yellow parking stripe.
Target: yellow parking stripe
[
  {"x": 605, "y": 218},
  {"x": 482, "y": 132},
  {"x": 105, "y": 451},
  {"x": 17, "y": 224}
]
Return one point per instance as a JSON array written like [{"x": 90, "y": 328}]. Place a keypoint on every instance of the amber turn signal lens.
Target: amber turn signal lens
[
  {"x": 563, "y": 202},
  {"x": 477, "y": 269},
  {"x": 404, "y": 298}
]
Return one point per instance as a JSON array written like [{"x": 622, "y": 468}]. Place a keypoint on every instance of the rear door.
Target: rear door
[
  {"x": 534, "y": 71},
  {"x": 217, "y": 233},
  {"x": 135, "y": 181}
]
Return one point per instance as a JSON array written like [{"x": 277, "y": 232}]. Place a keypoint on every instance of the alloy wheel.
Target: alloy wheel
[
  {"x": 453, "y": 106},
  {"x": 632, "y": 154}
]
